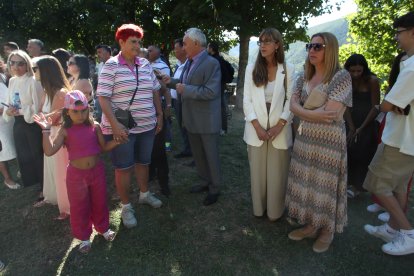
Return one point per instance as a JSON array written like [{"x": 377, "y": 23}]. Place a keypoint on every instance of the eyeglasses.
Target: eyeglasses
[
  {"x": 17, "y": 63},
  {"x": 69, "y": 63},
  {"x": 34, "y": 68},
  {"x": 315, "y": 46},
  {"x": 265, "y": 43},
  {"x": 397, "y": 32}
]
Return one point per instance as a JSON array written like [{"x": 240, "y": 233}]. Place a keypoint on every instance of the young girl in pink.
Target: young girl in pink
[{"x": 85, "y": 179}]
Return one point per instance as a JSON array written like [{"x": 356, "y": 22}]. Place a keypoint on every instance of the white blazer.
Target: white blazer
[{"x": 254, "y": 107}]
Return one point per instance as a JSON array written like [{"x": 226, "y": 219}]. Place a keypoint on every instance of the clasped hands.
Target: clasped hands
[{"x": 270, "y": 134}]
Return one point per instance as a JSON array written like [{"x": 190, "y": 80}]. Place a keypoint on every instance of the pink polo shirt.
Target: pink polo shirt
[{"x": 117, "y": 81}]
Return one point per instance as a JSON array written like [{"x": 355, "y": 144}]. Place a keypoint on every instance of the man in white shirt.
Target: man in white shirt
[
  {"x": 103, "y": 52},
  {"x": 393, "y": 163},
  {"x": 181, "y": 61}
]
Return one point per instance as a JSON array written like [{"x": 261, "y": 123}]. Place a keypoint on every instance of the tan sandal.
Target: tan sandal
[
  {"x": 299, "y": 234},
  {"x": 322, "y": 245}
]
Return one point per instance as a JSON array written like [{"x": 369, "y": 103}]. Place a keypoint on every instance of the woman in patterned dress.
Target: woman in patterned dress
[{"x": 316, "y": 193}]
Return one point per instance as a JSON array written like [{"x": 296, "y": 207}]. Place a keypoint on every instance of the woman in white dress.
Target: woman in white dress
[
  {"x": 8, "y": 151},
  {"x": 49, "y": 72}
]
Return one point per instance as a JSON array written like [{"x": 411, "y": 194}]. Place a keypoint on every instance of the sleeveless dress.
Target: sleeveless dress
[
  {"x": 6, "y": 131},
  {"x": 316, "y": 192},
  {"x": 54, "y": 188},
  {"x": 362, "y": 150}
]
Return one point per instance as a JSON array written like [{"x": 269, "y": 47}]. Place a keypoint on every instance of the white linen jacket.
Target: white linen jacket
[{"x": 254, "y": 107}]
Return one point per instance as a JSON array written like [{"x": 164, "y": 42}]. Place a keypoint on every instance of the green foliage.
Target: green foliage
[{"x": 372, "y": 34}]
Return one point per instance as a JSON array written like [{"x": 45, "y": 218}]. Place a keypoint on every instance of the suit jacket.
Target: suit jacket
[
  {"x": 254, "y": 107},
  {"x": 201, "y": 97}
]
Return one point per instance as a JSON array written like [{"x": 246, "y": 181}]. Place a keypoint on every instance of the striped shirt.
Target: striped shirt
[
  {"x": 161, "y": 66},
  {"x": 118, "y": 81}
]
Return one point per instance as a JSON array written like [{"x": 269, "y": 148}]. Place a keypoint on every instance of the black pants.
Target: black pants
[
  {"x": 223, "y": 112},
  {"x": 159, "y": 162},
  {"x": 28, "y": 141}
]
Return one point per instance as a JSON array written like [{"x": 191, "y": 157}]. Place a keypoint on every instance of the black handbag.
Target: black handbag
[{"x": 124, "y": 116}]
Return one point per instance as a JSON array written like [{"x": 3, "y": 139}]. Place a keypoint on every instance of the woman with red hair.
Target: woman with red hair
[{"x": 127, "y": 82}]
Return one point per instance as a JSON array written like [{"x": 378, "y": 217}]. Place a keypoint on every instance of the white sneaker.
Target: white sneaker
[
  {"x": 385, "y": 216},
  {"x": 373, "y": 208},
  {"x": 150, "y": 199},
  {"x": 402, "y": 245},
  {"x": 380, "y": 232},
  {"x": 128, "y": 217}
]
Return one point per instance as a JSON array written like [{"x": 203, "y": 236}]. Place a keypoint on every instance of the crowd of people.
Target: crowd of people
[{"x": 312, "y": 138}]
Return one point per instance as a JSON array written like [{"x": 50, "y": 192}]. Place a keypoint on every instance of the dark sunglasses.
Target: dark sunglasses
[
  {"x": 69, "y": 63},
  {"x": 18, "y": 63},
  {"x": 34, "y": 68},
  {"x": 315, "y": 46}
]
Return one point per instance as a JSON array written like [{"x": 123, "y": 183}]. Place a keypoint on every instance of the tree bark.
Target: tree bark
[{"x": 243, "y": 59}]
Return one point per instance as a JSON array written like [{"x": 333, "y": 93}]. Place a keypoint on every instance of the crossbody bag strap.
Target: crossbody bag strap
[{"x": 136, "y": 88}]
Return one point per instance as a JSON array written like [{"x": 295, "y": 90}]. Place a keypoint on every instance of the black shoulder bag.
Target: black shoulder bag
[{"x": 125, "y": 116}]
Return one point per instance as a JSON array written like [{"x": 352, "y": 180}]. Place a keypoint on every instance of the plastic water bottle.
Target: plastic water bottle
[{"x": 16, "y": 100}]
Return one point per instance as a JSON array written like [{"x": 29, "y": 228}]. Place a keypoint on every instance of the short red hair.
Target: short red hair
[{"x": 127, "y": 30}]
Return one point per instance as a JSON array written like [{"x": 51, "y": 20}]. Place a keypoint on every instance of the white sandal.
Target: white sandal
[{"x": 14, "y": 186}]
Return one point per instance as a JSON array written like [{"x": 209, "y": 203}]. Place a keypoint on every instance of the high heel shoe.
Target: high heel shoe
[
  {"x": 300, "y": 234},
  {"x": 322, "y": 244}
]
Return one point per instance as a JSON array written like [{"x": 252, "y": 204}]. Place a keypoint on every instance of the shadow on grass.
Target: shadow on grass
[{"x": 184, "y": 237}]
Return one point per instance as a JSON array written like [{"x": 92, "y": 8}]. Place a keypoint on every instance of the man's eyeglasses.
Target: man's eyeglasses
[
  {"x": 265, "y": 43},
  {"x": 34, "y": 68},
  {"x": 69, "y": 63},
  {"x": 315, "y": 46},
  {"x": 17, "y": 63}
]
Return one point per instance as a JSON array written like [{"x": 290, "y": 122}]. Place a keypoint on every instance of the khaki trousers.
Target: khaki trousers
[{"x": 269, "y": 168}]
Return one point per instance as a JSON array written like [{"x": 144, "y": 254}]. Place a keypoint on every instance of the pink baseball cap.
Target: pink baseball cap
[{"x": 73, "y": 97}]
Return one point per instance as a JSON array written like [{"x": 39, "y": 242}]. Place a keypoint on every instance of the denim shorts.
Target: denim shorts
[{"x": 137, "y": 150}]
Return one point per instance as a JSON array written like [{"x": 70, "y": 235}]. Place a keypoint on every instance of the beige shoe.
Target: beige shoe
[
  {"x": 299, "y": 234},
  {"x": 322, "y": 245}
]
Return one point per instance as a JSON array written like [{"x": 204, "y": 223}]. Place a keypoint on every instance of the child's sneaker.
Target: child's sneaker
[
  {"x": 85, "y": 247},
  {"x": 150, "y": 199},
  {"x": 109, "y": 235},
  {"x": 380, "y": 232},
  {"x": 373, "y": 208},
  {"x": 402, "y": 245},
  {"x": 128, "y": 217}
]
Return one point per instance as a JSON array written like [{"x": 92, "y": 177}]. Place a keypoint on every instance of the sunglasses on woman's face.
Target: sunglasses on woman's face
[
  {"x": 17, "y": 63},
  {"x": 315, "y": 46},
  {"x": 34, "y": 68},
  {"x": 69, "y": 63}
]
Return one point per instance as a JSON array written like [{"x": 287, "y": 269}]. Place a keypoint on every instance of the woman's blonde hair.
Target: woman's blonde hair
[
  {"x": 331, "y": 58},
  {"x": 26, "y": 59},
  {"x": 260, "y": 68}
]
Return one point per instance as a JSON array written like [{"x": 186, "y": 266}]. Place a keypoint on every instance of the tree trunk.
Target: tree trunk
[{"x": 243, "y": 59}]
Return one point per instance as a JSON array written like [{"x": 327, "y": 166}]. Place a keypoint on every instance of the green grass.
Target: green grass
[{"x": 186, "y": 238}]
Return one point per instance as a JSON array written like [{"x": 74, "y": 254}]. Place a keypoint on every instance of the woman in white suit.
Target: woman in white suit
[{"x": 267, "y": 90}]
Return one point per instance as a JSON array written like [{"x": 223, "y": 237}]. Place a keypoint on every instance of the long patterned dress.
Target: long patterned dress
[{"x": 316, "y": 192}]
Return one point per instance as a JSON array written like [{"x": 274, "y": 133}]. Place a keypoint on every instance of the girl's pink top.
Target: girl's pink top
[{"x": 82, "y": 141}]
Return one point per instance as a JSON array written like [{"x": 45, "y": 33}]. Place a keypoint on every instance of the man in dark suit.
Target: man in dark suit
[{"x": 199, "y": 87}]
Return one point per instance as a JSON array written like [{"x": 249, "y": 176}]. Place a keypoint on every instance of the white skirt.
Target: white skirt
[{"x": 6, "y": 137}]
